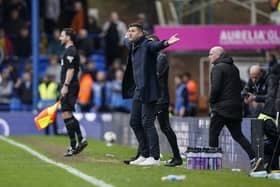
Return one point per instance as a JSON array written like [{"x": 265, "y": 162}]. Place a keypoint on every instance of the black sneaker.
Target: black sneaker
[
  {"x": 69, "y": 152},
  {"x": 174, "y": 162},
  {"x": 81, "y": 145},
  {"x": 255, "y": 164},
  {"x": 130, "y": 160}
]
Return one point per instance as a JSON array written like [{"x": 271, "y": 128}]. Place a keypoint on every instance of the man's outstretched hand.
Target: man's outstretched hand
[{"x": 173, "y": 39}]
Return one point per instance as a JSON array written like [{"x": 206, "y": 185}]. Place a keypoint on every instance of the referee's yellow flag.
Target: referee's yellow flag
[{"x": 46, "y": 116}]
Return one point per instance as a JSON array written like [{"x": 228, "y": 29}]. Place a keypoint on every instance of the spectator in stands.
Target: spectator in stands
[
  {"x": 254, "y": 92},
  {"x": 147, "y": 26},
  {"x": 6, "y": 89},
  {"x": 54, "y": 46},
  {"x": 67, "y": 12},
  {"x": 13, "y": 71},
  {"x": 114, "y": 31},
  {"x": 85, "y": 93},
  {"x": 6, "y": 48},
  {"x": 90, "y": 67},
  {"x": 191, "y": 86},
  {"x": 182, "y": 103},
  {"x": 14, "y": 23},
  {"x": 226, "y": 104},
  {"x": 78, "y": 21},
  {"x": 117, "y": 64},
  {"x": 22, "y": 6},
  {"x": 28, "y": 67},
  {"x": 48, "y": 92},
  {"x": 23, "y": 88},
  {"x": 85, "y": 97},
  {"x": 22, "y": 44},
  {"x": 52, "y": 12},
  {"x": 94, "y": 30},
  {"x": 93, "y": 27},
  {"x": 54, "y": 68},
  {"x": 274, "y": 5},
  {"x": 101, "y": 93},
  {"x": 84, "y": 43},
  {"x": 83, "y": 60},
  {"x": 272, "y": 60},
  {"x": 119, "y": 104}
]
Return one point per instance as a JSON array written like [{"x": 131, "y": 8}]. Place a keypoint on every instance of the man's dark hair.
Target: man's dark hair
[
  {"x": 138, "y": 25},
  {"x": 70, "y": 32}
]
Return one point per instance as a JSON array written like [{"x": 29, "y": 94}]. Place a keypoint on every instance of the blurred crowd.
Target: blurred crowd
[
  {"x": 100, "y": 48},
  {"x": 102, "y": 58}
]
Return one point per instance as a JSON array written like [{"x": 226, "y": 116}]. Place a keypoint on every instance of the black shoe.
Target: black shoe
[
  {"x": 256, "y": 164},
  {"x": 130, "y": 160},
  {"x": 174, "y": 162},
  {"x": 81, "y": 145},
  {"x": 69, "y": 152}
]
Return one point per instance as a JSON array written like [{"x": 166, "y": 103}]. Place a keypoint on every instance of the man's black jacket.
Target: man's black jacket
[
  {"x": 144, "y": 54},
  {"x": 162, "y": 73},
  {"x": 225, "y": 94},
  {"x": 259, "y": 89}
]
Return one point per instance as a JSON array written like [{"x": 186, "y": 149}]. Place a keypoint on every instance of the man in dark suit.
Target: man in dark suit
[
  {"x": 140, "y": 83},
  {"x": 226, "y": 103}
]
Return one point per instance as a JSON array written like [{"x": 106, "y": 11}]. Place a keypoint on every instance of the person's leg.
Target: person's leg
[
  {"x": 216, "y": 125},
  {"x": 268, "y": 152},
  {"x": 78, "y": 129},
  {"x": 136, "y": 125},
  {"x": 234, "y": 126},
  {"x": 47, "y": 131},
  {"x": 55, "y": 127},
  {"x": 69, "y": 123},
  {"x": 72, "y": 98},
  {"x": 148, "y": 119},
  {"x": 163, "y": 119},
  {"x": 277, "y": 158}
]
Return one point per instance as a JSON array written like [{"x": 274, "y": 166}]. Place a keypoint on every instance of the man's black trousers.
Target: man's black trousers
[
  {"x": 164, "y": 123},
  {"x": 217, "y": 122},
  {"x": 142, "y": 123}
]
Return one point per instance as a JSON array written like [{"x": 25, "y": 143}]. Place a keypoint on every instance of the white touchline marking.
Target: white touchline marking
[{"x": 68, "y": 168}]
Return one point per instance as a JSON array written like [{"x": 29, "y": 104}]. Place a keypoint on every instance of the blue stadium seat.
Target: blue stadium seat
[
  {"x": 99, "y": 60},
  {"x": 43, "y": 64},
  {"x": 15, "y": 104}
]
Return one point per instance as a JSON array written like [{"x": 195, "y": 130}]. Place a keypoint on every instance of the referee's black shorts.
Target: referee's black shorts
[{"x": 69, "y": 101}]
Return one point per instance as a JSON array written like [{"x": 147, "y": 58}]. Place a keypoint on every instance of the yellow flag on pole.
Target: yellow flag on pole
[{"x": 46, "y": 116}]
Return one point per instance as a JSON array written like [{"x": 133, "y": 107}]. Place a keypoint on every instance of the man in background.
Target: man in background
[
  {"x": 226, "y": 104},
  {"x": 255, "y": 90}
]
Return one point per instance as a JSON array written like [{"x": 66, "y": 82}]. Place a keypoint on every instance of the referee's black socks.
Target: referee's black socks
[
  {"x": 70, "y": 126},
  {"x": 77, "y": 129}
]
